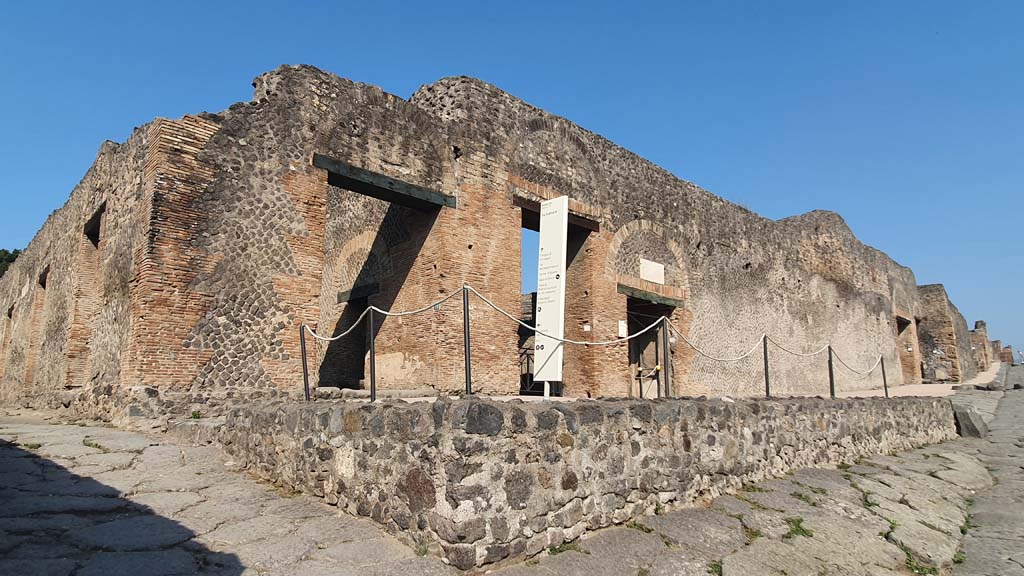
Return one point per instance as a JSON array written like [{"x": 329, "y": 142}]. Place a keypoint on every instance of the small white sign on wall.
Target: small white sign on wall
[{"x": 652, "y": 271}]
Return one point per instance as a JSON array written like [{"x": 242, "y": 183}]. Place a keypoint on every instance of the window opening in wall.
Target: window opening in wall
[
  {"x": 578, "y": 232},
  {"x": 901, "y": 325},
  {"x": 529, "y": 246},
  {"x": 92, "y": 227},
  {"x": 8, "y": 328}
]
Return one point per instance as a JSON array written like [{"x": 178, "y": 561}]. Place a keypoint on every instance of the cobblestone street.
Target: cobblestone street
[{"x": 82, "y": 500}]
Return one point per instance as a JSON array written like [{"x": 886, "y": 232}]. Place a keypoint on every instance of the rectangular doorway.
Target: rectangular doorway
[
  {"x": 646, "y": 354},
  {"x": 344, "y": 359},
  {"x": 906, "y": 343}
]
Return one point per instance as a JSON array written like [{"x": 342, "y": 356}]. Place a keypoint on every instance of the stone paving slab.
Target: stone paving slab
[
  {"x": 994, "y": 544},
  {"x": 93, "y": 501}
]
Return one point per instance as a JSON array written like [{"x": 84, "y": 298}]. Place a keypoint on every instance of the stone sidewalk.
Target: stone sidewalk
[
  {"x": 90, "y": 501},
  {"x": 994, "y": 545},
  {"x": 78, "y": 500}
]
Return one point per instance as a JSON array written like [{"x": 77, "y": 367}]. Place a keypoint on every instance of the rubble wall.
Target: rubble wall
[{"x": 479, "y": 481}]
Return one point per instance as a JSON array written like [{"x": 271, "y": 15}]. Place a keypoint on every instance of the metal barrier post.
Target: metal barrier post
[
  {"x": 667, "y": 360},
  {"x": 885, "y": 383},
  {"x": 465, "y": 341},
  {"x": 373, "y": 360},
  {"x": 767, "y": 380},
  {"x": 831, "y": 375},
  {"x": 305, "y": 365}
]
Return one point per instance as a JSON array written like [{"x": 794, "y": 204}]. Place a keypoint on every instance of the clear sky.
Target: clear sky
[{"x": 905, "y": 117}]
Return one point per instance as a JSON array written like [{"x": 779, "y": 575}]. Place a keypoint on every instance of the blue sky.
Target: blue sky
[{"x": 905, "y": 117}]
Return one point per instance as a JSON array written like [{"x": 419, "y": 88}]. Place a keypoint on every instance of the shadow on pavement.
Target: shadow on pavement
[{"x": 54, "y": 522}]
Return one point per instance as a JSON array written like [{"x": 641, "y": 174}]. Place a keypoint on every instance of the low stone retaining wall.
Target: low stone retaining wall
[{"x": 477, "y": 481}]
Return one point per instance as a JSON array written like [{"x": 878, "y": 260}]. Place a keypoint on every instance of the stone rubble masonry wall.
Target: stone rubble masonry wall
[
  {"x": 479, "y": 481},
  {"x": 48, "y": 347},
  {"x": 1006, "y": 355},
  {"x": 980, "y": 346},
  {"x": 220, "y": 237},
  {"x": 945, "y": 339}
]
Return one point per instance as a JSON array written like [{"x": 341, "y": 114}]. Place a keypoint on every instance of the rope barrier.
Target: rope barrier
[
  {"x": 614, "y": 342},
  {"x": 866, "y": 373},
  {"x": 564, "y": 340},
  {"x": 379, "y": 311},
  {"x": 708, "y": 356},
  {"x": 788, "y": 351}
]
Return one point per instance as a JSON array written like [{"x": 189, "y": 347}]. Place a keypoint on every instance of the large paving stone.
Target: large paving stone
[
  {"x": 930, "y": 546},
  {"x": 34, "y": 504},
  {"x": 769, "y": 558},
  {"x": 380, "y": 550},
  {"x": 250, "y": 530},
  {"x": 128, "y": 534},
  {"x": 112, "y": 459},
  {"x": 173, "y": 562},
  {"x": 36, "y": 567},
  {"x": 119, "y": 441},
  {"x": 167, "y": 503},
  {"x": 70, "y": 450},
  {"x": 718, "y": 535}
]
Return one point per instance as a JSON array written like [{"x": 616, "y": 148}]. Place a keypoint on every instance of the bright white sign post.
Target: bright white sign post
[{"x": 550, "y": 316}]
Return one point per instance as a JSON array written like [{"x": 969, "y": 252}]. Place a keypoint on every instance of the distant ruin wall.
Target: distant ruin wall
[
  {"x": 1006, "y": 355},
  {"x": 980, "y": 347},
  {"x": 945, "y": 339},
  {"x": 479, "y": 481}
]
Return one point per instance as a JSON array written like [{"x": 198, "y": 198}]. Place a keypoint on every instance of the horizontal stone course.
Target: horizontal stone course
[{"x": 479, "y": 481}]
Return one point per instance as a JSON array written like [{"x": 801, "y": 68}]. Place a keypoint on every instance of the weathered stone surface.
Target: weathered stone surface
[
  {"x": 138, "y": 533},
  {"x": 173, "y": 562},
  {"x": 969, "y": 422}
]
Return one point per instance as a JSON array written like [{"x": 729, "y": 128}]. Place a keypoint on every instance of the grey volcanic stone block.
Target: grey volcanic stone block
[
  {"x": 969, "y": 422},
  {"x": 484, "y": 419}
]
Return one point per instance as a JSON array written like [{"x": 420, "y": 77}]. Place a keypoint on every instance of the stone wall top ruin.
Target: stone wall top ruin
[{"x": 188, "y": 256}]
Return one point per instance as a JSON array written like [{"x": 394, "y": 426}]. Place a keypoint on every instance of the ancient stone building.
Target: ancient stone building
[
  {"x": 188, "y": 256},
  {"x": 945, "y": 341},
  {"x": 1006, "y": 355},
  {"x": 980, "y": 347}
]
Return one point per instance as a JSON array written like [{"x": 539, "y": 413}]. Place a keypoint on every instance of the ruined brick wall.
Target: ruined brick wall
[
  {"x": 1006, "y": 355},
  {"x": 71, "y": 333},
  {"x": 945, "y": 339},
  {"x": 807, "y": 279},
  {"x": 221, "y": 237},
  {"x": 980, "y": 347},
  {"x": 478, "y": 481}
]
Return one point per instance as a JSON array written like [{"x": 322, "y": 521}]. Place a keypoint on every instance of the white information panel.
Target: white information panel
[{"x": 554, "y": 227}]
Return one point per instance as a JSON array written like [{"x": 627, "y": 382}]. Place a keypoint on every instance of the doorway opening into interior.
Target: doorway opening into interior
[{"x": 646, "y": 355}]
